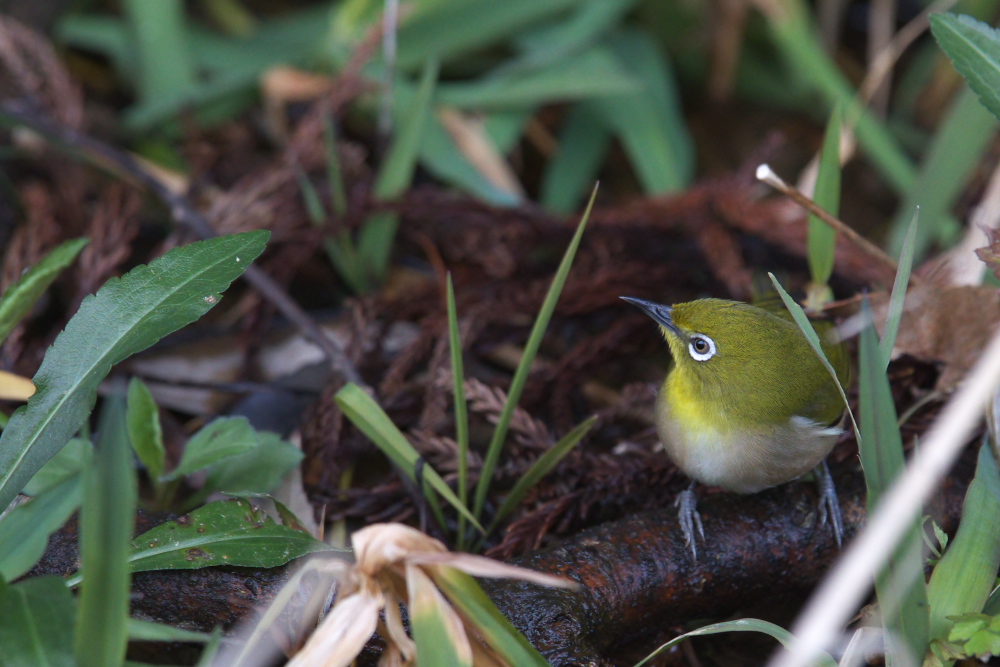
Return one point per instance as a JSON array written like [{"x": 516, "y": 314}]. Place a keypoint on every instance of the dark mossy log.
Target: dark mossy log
[{"x": 640, "y": 582}]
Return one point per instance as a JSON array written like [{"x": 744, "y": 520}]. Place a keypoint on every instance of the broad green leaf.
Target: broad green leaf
[
  {"x": 223, "y": 438},
  {"x": 437, "y": 629},
  {"x": 649, "y": 121},
  {"x": 527, "y": 358},
  {"x": 126, "y": 316},
  {"x": 741, "y": 625},
  {"x": 371, "y": 420},
  {"x": 227, "y": 532},
  {"x": 166, "y": 69},
  {"x": 963, "y": 578},
  {"x": 449, "y": 29},
  {"x": 974, "y": 48},
  {"x": 107, "y": 521},
  {"x": 898, "y": 297},
  {"x": 25, "y": 530},
  {"x": 900, "y": 587},
  {"x": 540, "y": 468},
  {"x": 461, "y": 409},
  {"x": 144, "y": 431},
  {"x": 258, "y": 470},
  {"x": 594, "y": 73},
  {"x": 147, "y": 631},
  {"x": 822, "y": 241},
  {"x": 583, "y": 142},
  {"x": 468, "y": 598},
  {"x": 18, "y": 299},
  {"x": 956, "y": 149},
  {"x": 37, "y": 623},
  {"x": 70, "y": 461}
]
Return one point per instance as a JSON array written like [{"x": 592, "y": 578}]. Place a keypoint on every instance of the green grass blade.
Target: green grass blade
[
  {"x": 822, "y": 242},
  {"x": 955, "y": 151},
  {"x": 37, "y": 623},
  {"x": 369, "y": 417},
  {"x": 900, "y": 587},
  {"x": 807, "y": 330},
  {"x": 741, "y": 625},
  {"x": 396, "y": 173},
  {"x": 524, "y": 367},
  {"x": 25, "y": 530},
  {"x": 144, "y": 429},
  {"x": 127, "y": 315},
  {"x": 974, "y": 48},
  {"x": 898, "y": 297},
  {"x": 107, "y": 518},
  {"x": 470, "y": 600},
  {"x": 334, "y": 174},
  {"x": 539, "y": 469},
  {"x": 963, "y": 578},
  {"x": 18, "y": 299},
  {"x": 148, "y": 631},
  {"x": 461, "y": 409},
  {"x": 437, "y": 630}
]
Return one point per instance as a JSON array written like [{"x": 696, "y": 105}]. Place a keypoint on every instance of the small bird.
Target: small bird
[{"x": 747, "y": 404}]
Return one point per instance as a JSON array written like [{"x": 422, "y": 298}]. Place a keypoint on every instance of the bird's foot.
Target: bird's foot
[
  {"x": 829, "y": 504},
  {"x": 690, "y": 519}
]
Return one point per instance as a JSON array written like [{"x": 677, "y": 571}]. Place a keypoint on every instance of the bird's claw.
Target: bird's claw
[
  {"x": 690, "y": 519},
  {"x": 829, "y": 504}
]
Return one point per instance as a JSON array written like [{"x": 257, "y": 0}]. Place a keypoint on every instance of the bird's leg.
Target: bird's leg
[
  {"x": 687, "y": 514},
  {"x": 829, "y": 504}
]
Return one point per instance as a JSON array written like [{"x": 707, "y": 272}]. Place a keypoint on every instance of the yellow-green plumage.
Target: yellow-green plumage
[{"x": 747, "y": 404}]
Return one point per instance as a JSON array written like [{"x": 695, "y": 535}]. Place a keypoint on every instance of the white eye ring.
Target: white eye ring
[{"x": 701, "y": 347}]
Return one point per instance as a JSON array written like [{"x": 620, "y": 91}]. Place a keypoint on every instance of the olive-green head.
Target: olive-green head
[{"x": 745, "y": 363}]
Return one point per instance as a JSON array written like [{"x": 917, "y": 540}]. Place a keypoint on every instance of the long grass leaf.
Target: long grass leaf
[
  {"x": 741, "y": 625},
  {"x": 807, "y": 330},
  {"x": 369, "y": 417},
  {"x": 583, "y": 142},
  {"x": 437, "y": 630},
  {"x": 539, "y": 469},
  {"x": 166, "y": 69},
  {"x": 822, "y": 241},
  {"x": 18, "y": 299},
  {"x": 461, "y": 409},
  {"x": 126, "y": 316},
  {"x": 524, "y": 367},
  {"x": 900, "y": 586},
  {"x": 107, "y": 518},
  {"x": 898, "y": 297}
]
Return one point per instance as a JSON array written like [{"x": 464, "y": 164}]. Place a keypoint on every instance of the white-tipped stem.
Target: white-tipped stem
[{"x": 843, "y": 590}]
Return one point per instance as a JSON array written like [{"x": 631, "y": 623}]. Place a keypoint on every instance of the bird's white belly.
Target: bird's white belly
[{"x": 749, "y": 460}]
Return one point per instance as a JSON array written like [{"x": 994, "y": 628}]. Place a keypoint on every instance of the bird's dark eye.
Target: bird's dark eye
[{"x": 701, "y": 348}]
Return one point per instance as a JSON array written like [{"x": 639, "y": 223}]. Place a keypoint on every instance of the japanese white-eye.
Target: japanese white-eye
[{"x": 747, "y": 404}]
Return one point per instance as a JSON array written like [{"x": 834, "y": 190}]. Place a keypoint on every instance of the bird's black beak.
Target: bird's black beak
[{"x": 662, "y": 314}]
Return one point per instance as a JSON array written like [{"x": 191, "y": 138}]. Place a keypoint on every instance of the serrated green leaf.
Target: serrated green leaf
[
  {"x": 144, "y": 430},
  {"x": 37, "y": 626},
  {"x": 126, "y": 316},
  {"x": 25, "y": 531},
  {"x": 223, "y": 438},
  {"x": 974, "y": 48},
  {"x": 18, "y": 299},
  {"x": 227, "y": 532},
  {"x": 107, "y": 518}
]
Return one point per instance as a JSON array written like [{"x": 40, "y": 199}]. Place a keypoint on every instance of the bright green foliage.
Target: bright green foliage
[
  {"x": 822, "y": 241},
  {"x": 127, "y": 315},
  {"x": 107, "y": 518},
  {"x": 18, "y": 299},
  {"x": 36, "y": 623},
  {"x": 972, "y": 636},
  {"x": 227, "y": 532}
]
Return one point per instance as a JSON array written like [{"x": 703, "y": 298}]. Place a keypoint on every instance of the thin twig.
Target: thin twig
[
  {"x": 123, "y": 165},
  {"x": 767, "y": 175}
]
